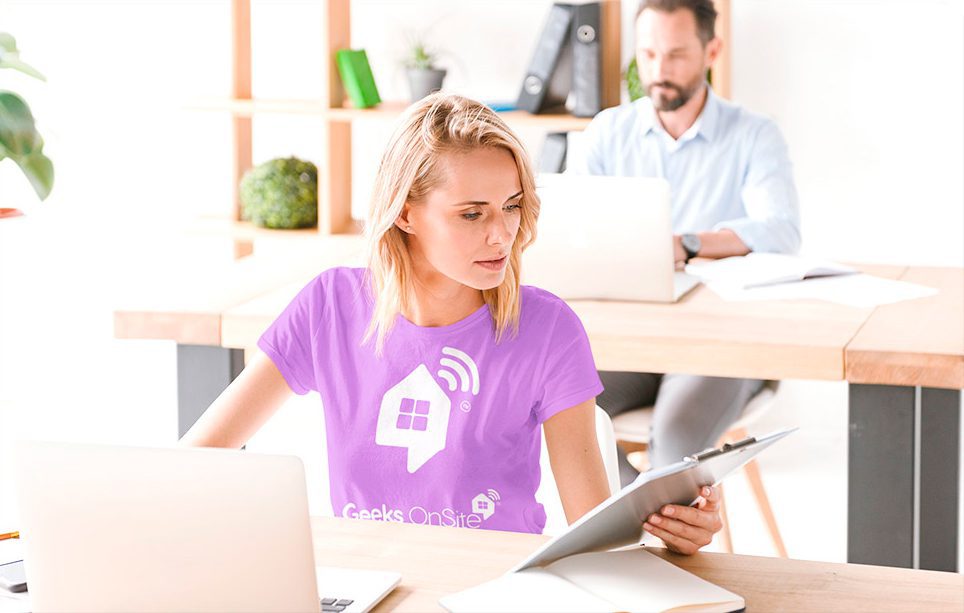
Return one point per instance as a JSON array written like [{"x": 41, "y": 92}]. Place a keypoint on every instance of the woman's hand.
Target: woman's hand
[{"x": 686, "y": 529}]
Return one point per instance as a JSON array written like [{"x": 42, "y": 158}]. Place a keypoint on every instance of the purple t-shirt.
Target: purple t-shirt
[{"x": 443, "y": 429}]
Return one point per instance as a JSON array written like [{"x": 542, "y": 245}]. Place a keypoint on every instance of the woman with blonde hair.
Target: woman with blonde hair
[{"x": 435, "y": 367}]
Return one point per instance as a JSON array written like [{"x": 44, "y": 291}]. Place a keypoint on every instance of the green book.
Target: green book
[{"x": 356, "y": 76}]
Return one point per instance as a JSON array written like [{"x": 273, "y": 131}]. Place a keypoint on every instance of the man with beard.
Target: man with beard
[{"x": 732, "y": 192}]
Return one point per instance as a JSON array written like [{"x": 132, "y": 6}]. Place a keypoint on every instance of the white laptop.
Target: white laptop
[
  {"x": 108, "y": 528},
  {"x": 605, "y": 238}
]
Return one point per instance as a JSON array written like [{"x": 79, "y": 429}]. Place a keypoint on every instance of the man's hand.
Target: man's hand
[{"x": 686, "y": 529}]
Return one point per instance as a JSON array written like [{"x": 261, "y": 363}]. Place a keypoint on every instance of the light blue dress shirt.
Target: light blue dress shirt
[{"x": 729, "y": 170}]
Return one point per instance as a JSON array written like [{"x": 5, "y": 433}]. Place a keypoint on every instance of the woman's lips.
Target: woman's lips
[{"x": 493, "y": 264}]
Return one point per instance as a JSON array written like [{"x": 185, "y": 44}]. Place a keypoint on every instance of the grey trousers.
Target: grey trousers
[{"x": 690, "y": 413}]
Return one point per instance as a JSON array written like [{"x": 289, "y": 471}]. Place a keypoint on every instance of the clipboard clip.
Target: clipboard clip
[{"x": 713, "y": 451}]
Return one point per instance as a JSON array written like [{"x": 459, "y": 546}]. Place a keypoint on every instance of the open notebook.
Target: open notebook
[
  {"x": 623, "y": 580},
  {"x": 762, "y": 269}
]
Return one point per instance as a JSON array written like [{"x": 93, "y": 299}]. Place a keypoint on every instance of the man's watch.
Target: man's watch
[{"x": 691, "y": 244}]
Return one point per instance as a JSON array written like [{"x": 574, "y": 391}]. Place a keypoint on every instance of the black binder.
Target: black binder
[
  {"x": 545, "y": 85},
  {"x": 553, "y": 156},
  {"x": 585, "y": 96}
]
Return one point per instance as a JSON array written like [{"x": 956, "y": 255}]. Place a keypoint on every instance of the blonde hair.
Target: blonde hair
[{"x": 410, "y": 168}]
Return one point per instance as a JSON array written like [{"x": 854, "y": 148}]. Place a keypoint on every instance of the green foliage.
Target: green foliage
[
  {"x": 633, "y": 83},
  {"x": 19, "y": 139},
  {"x": 421, "y": 57},
  {"x": 281, "y": 193}
]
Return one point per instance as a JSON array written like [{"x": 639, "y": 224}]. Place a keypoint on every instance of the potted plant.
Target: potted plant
[
  {"x": 281, "y": 194},
  {"x": 19, "y": 139},
  {"x": 424, "y": 77}
]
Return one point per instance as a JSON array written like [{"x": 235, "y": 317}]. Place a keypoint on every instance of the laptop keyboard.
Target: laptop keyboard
[{"x": 334, "y": 605}]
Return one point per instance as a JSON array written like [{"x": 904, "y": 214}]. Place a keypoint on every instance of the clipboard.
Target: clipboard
[{"x": 617, "y": 521}]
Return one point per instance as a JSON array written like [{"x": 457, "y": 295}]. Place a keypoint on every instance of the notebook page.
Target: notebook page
[
  {"x": 636, "y": 580},
  {"x": 759, "y": 269},
  {"x": 533, "y": 589}
]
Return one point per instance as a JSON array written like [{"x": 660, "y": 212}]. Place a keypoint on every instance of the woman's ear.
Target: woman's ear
[{"x": 403, "y": 220}]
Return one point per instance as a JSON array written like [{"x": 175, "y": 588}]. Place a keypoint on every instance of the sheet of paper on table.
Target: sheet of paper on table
[{"x": 857, "y": 290}]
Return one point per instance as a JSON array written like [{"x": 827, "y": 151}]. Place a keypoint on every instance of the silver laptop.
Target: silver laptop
[
  {"x": 606, "y": 238},
  {"x": 110, "y": 528}
]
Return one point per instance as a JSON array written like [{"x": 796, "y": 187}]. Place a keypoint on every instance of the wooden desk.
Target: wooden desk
[
  {"x": 889, "y": 520},
  {"x": 704, "y": 334},
  {"x": 701, "y": 334},
  {"x": 914, "y": 343},
  {"x": 188, "y": 308},
  {"x": 436, "y": 561}
]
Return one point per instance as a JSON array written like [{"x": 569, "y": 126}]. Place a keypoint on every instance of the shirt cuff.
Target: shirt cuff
[
  {"x": 283, "y": 367},
  {"x": 769, "y": 237},
  {"x": 568, "y": 401}
]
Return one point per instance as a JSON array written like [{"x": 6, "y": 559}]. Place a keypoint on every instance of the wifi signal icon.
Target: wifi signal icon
[
  {"x": 493, "y": 495},
  {"x": 461, "y": 372}
]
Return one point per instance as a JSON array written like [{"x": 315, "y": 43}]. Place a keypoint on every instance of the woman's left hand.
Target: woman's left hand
[{"x": 686, "y": 529}]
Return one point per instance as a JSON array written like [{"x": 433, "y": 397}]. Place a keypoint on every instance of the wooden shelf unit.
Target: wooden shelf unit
[
  {"x": 389, "y": 110},
  {"x": 334, "y": 167}
]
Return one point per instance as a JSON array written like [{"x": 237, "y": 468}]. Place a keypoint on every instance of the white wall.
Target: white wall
[{"x": 870, "y": 96}]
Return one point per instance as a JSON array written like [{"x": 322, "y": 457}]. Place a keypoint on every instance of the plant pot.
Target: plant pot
[{"x": 424, "y": 81}]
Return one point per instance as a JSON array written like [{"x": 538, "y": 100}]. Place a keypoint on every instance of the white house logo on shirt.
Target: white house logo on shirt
[
  {"x": 414, "y": 414},
  {"x": 484, "y": 504}
]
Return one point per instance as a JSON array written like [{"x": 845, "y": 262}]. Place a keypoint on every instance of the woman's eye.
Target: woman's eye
[
  {"x": 513, "y": 207},
  {"x": 471, "y": 216}
]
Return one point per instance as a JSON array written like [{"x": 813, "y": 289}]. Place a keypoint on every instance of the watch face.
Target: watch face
[{"x": 691, "y": 243}]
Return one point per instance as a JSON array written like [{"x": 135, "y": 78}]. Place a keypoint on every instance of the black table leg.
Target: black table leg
[{"x": 904, "y": 461}]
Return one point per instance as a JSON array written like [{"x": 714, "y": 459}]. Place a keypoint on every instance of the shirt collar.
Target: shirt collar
[{"x": 705, "y": 125}]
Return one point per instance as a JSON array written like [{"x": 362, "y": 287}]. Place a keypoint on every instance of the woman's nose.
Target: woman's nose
[{"x": 499, "y": 231}]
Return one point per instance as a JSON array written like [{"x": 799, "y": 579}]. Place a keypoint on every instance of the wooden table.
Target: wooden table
[
  {"x": 902, "y": 361},
  {"x": 435, "y": 561}
]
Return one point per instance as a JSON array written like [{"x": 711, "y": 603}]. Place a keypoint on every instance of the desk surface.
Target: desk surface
[
  {"x": 436, "y": 561},
  {"x": 704, "y": 334},
  {"x": 187, "y": 306},
  {"x": 917, "y": 342},
  {"x": 701, "y": 334}
]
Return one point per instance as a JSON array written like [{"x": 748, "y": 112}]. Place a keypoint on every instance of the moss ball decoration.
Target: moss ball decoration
[{"x": 281, "y": 194}]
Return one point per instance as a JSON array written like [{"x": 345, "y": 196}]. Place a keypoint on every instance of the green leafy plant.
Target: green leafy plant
[
  {"x": 281, "y": 193},
  {"x": 420, "y": 56},
  {"x": 19, "y": 139},
  {"x": 633, "y": 83}
]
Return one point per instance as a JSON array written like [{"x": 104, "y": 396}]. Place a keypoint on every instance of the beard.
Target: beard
[{"x": 683, "y": 94}]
